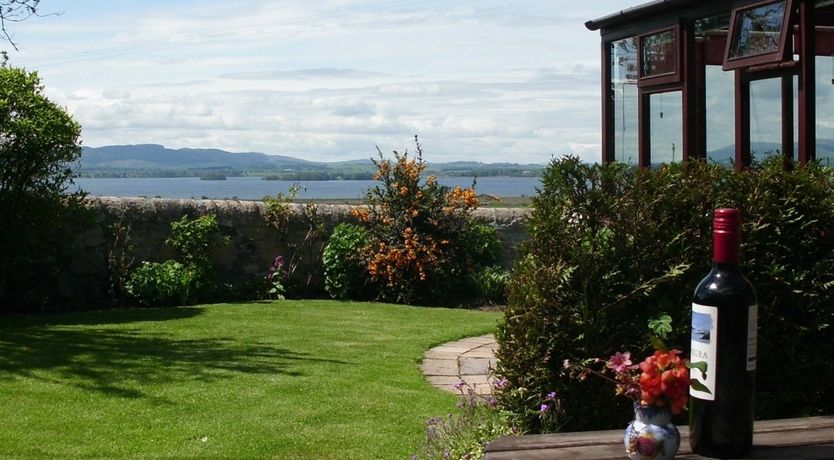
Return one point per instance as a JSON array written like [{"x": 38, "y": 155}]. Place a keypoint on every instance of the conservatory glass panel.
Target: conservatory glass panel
[
  {"x": 624, "y": 94},
  {"x": 666, "y": 121}
]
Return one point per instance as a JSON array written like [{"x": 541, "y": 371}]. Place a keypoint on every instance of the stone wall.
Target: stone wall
[{"x": 246, "y": 259}]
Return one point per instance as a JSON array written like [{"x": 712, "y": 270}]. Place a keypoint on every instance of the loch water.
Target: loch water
[{"x": 254, "y": 188}]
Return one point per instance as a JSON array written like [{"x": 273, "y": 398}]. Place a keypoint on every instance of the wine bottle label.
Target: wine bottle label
[
  {"x": 752, "y": 335},
  {"x": 704, "y": 352}
]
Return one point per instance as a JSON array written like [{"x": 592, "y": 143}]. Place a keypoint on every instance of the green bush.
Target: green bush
[
  {"x": 422, "y": 239},
  {"x": 482, "y": 243},
  {"x": 489, "y": 284},
  {"x": 164, "y": 284},
  {"x": 195, "y": 240},
  {"x": 39, "y": 144},
  {"x": 180, "y": 283},
  {"x": 302, "y": 271},
  {"x": 344, "y": 269},
  {"x": 612, "y": 247}
]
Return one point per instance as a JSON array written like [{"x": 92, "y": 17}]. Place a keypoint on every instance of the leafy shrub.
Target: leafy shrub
[
  {"x": 483, "y": 244},
  {"x": 613, "y": 247},
  {"x": 489, "y": 284},
  {"x": 39, "y": 142},
  {"x": 302, "y": 268},
  {"x": 277, "y": 208},
  {"x": 163, "y": 284},
  {"x": 344, "y": 269},
  {"x": 180, "y": 283},
  {"x": 195, "y": 239},
  {"x": 417, "y": 232}
]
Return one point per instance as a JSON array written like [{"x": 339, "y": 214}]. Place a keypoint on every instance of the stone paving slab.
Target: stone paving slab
[
  {"x": 440, "y": 367},
  {"x": 437, "y": 354},
  {"x": 479, "y": 353},
  {"x": 475, "y": 366},
  {"x": 470, "y": 359}
]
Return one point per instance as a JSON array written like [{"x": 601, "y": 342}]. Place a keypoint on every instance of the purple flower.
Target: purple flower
[
  {"x": 446, "y": 454},
  {"x": 544, "y": 408},
  {"x": 551, "y": 396},
  {"x": 619, "y": 362},
  {"x": 501, "y": 383},
  {"x": 459, "y": 384}
]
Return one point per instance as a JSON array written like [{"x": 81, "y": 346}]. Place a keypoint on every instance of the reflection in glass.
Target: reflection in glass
[
  {"x": 825, "y": 109},
  {"x": 666, "y": 127},
  {"x": 624, "y": 61},
  {"x": 721, "y": 141},
  {"x": 624, "y": 93},
  {"x": 758, "y": 30},
  {"x": 658, "y": 54},
  {"x": 712, "y": 24},
  {"x": 765, "y": 118}
]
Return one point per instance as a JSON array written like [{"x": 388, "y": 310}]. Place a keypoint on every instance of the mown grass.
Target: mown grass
[{"x": 291, "y": 379}]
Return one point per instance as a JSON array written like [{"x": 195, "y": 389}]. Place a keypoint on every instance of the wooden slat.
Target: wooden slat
[{"x": 801, "y": 438}]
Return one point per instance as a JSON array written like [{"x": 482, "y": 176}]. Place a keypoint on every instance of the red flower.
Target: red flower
[{"x": 664, "y": 380}]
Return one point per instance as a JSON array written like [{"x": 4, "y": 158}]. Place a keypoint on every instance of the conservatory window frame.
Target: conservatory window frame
[{"x": 780, "y": 54}]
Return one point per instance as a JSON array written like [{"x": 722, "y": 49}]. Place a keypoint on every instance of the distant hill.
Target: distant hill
[
  {"x": 725, "y": 154},
  {"x": 154, "y": 156},
  {"x": 153, "y": 160}
]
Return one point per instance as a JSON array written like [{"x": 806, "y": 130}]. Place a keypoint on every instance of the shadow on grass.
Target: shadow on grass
[
  {"x": 96, "y": 317},
  {"x": 124, "y": 362}
]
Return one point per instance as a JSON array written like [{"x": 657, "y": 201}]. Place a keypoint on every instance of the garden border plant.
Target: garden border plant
[
  {"x": 421, "y": 238},
  {"x": 180, "y": 283},
  {"x": 613, "y": 247},
  {"x": 40, "y": 214},
  {"x": 301, "y": 269}
]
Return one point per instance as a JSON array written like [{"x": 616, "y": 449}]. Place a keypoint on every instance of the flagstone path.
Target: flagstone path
[{"x": 468, "y": 359}]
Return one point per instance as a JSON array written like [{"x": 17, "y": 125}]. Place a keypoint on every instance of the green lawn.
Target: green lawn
[{"x": 291, "y": 379}]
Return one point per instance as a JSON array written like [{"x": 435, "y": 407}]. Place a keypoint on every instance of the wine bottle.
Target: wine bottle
[{"x": 723, "y": 349}]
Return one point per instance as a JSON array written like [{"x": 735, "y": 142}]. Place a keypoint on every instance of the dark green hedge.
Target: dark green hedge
[{"x": 612, "y": 247}]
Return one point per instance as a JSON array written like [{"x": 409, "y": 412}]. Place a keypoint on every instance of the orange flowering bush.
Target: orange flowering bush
[
  {"x": 662, "y": 379},
  {"x": 419, "y": 232}
]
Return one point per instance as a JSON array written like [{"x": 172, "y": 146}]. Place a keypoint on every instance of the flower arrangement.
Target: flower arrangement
[{"x": 661, "y": 379}]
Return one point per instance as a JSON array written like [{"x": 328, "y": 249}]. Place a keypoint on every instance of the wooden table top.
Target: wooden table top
[{"x": 789, "y": 439}]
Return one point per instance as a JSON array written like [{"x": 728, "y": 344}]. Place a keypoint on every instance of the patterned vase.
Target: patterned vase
[{"x": 652, "y": 435}]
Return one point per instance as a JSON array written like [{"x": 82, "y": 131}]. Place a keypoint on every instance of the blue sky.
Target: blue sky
[{"x": 488, "y": 80}]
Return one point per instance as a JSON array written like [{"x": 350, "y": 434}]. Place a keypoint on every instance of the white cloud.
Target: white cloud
[{"x": 482, "y": 80}]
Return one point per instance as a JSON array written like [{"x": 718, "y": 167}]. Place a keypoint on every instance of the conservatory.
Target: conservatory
[{"x": 727, "y": 81}]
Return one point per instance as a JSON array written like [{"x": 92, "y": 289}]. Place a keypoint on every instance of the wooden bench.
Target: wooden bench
[{"x": 788, "y": 439}]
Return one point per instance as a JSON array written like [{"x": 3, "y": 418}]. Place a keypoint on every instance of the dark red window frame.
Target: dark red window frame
[
  {"x": 779, "y": 55},
  {"x": 665, "y": 78}
]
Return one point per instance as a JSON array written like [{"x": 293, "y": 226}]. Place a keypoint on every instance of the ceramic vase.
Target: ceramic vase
[{"x": 652, "y": 435}]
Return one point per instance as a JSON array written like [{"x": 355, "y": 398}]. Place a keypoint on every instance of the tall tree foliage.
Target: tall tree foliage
[{"x": 39, "y": 141}]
